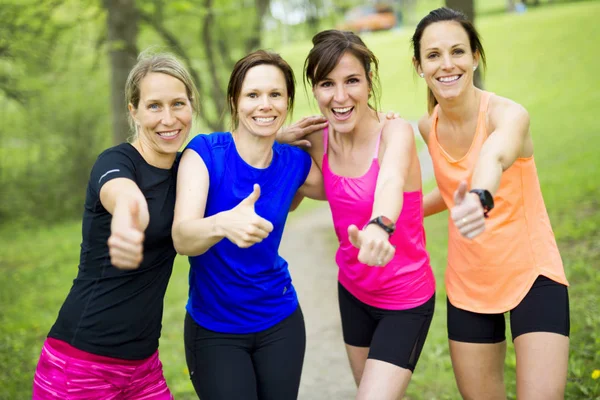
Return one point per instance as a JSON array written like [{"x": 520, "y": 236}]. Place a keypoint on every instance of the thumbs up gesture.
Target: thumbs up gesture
[
  {"x": 467, "y": 212},
  {"x": 375, "y": 249},
  {"x": 126, "y": 241},
  {"x": 243, "y": 226}
]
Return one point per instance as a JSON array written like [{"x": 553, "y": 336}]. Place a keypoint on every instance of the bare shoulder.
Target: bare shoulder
[
  {"x": 397, "y": 133},
  {"x": 502, "y": 110},
  {"x": 396, "y": 125},
  {"x": 317, "y": 144},
  {"x": 425, "y": 126}
]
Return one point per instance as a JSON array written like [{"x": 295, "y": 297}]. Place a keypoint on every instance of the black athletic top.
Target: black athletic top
[{"x": 112, "y": 312}]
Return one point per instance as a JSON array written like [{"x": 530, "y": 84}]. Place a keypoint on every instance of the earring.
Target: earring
[
  {"x": 474, "y": 67},
  {"x": 422, "y": 75}
]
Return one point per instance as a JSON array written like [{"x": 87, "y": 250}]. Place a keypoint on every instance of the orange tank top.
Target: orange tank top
[{"x": 493, "y": 272}]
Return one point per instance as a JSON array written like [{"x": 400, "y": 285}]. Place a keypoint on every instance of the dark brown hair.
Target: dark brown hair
[
  {"x": 328, "y": 48},
  {"x": 441, "y": 15},
  {"x": 241, "y": 68}
]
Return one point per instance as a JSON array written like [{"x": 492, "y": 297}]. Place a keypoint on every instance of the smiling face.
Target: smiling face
[
  {"x": 343, "y": 95},
  {"x": 163, "y": 116},
  {"x": 447, "y": 61},
  {"x": 263, "y": 101}
]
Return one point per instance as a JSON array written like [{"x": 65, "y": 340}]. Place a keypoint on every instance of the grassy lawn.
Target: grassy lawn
[{"x": 535, "y": 59}]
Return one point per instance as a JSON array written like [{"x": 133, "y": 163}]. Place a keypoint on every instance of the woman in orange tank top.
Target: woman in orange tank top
[{"x": 502, "y": 255}]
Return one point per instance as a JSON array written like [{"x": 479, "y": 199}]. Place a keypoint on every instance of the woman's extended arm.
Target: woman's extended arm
[
  {"x": 373, "y": 241},
  {"x": 193, "y": 233},
  {"x": 509, "y": 140},
  {"x": 433, "y": 202}
]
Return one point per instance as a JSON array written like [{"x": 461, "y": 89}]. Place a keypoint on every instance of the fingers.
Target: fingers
[
  {"x": 126, "y": 241},
  {"x": 376, "y": 253},
  {"x": 308, "y": 125},
  {"x": 392, "y": 115},
  {"x": 469, "y": 217},
  {"x": 253, "y": 197},
  {"x": 354, "y": 236},
  {"x": 471, "y": 225},
  {"x": 301, "y": 143},
  {"x": 315, "y": 127},
  {"x": 251, "y": 237},
  {"x": 312, "y": 120},
  {"x": 262, "y": 224},
  {"x": 126, "y": 248},
  {"x": 134, "y": 210},
  {"x": 255, "y": 232},
  {"x": 460, "y": 193}
]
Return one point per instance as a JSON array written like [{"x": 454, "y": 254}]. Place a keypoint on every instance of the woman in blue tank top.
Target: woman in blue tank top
[{"x": 244, "y": 329}]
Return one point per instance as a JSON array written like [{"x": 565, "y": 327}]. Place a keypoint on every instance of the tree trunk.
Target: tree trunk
[
  {"x": 261, "y": 8},
  {"x": 468, "y": 8},
  {"x": 217, "y": 90},
  {"x": 122, "y": 24}
]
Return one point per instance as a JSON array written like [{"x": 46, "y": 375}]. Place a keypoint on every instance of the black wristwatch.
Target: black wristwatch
[
  {"x": 486, "y": 199},
  {"x": 384, "y": 223}
]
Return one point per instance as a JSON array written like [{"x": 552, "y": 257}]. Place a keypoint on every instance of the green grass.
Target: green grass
[{"x": 538, "y": 59}]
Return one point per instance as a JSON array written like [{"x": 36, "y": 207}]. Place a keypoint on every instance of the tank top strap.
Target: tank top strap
[
  {"x": 481, "y": 134},
  {"x": 376, "y": 155},
  {"x": 432, "y": 135},
  {"x": 485, "y": 100},
  {"x": 325, "y": 139}
]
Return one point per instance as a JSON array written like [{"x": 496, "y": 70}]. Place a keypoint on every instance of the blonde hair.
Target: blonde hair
[{"x": 163, "y": 63}]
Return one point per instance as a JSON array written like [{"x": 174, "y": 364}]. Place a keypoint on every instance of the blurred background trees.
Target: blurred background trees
[{"x": 63, "y": 66}]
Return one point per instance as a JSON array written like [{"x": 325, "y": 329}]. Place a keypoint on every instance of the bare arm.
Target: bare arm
[
  {"x": 504, "y": 145},
  {"x": 395, "y": 164},
  {"x": 124, "y": 200},
  {"x": 193, "y": 233},
  {"x": 508, "y": 141},
  {"x": 312, "y": 187},
  {"x": 433, "y": 203},
  {"x": 373, "y": 241}
]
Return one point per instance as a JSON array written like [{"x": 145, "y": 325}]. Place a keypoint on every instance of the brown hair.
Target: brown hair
[
  {"x": 163, "y": 63},
  {"x": 241, "y": 68},
  {"x": 440, "y": 15},
  {"x": 328, "y": 48}
]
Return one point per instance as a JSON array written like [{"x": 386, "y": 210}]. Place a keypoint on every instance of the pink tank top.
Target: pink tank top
[{"x": 407, "y": 281}]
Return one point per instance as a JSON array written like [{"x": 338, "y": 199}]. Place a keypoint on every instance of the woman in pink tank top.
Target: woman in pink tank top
[
  {"x": 502, "y": 255},
  {"x": 372, "y": 182}
]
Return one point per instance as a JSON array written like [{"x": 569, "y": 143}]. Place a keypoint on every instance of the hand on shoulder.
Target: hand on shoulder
[{"x": 297, "y": 133}]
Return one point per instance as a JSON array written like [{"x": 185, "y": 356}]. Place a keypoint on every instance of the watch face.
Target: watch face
[
  {"x": 489, "y": 200},
  {"x": 387, "y": 222}
]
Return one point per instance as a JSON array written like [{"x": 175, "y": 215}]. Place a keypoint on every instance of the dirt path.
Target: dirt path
[{"x": 309, "y": 245}]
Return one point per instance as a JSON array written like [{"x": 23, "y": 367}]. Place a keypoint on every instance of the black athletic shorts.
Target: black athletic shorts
[
  {"x": 545, "y": 308},
  {"x": 394, "y": 336}
]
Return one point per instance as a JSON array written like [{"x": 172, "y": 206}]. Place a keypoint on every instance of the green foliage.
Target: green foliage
[{"x": 57, "y": 122}]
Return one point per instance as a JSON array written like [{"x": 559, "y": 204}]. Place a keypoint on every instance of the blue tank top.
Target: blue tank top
[{"x": 234, "y": 290}]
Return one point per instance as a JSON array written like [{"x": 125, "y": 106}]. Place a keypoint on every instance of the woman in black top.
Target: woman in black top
[{"x": 104, "y": 342}]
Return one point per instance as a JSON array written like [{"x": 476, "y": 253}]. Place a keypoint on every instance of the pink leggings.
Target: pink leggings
[{"x": 61, "y": 376}]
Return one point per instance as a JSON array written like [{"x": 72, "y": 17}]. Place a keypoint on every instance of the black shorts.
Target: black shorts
[
  {"x": 545, "y": 308},
  {"x": 394, "y": 336}
]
